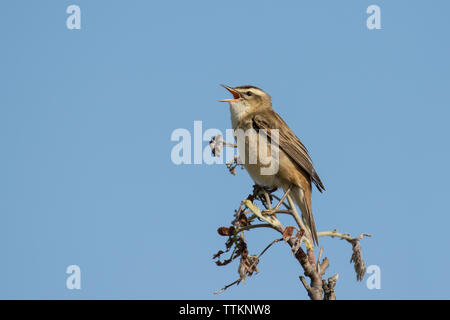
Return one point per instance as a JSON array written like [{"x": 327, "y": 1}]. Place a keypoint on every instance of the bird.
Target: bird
[{"x": 251, "y": 110}]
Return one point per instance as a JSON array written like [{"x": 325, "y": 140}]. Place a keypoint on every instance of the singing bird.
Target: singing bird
[{"x": 251, "y": 108}]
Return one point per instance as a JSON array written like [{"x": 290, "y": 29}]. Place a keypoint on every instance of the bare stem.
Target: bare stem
[
  {"x": 345, "y": 236},
  {"x": 254, "y": 226}
]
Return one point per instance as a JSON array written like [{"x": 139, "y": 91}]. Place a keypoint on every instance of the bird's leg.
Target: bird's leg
[
  {"x": 286, "y": 193},
  {"x": 262, "y": 194},
  {"x": 273, "y": 211},
  {"x": 268, "y": 203}
]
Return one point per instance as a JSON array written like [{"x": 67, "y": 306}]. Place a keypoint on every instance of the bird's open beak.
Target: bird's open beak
[{"x": 236, "y": 95}]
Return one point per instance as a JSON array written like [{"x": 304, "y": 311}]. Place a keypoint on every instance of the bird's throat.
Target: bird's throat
[{"x": 238, "y": 109}]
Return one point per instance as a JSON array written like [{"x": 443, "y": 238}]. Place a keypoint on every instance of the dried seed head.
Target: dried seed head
[
  {"x": 216, "y": 145},
  {"x": 360, "y": 266}
]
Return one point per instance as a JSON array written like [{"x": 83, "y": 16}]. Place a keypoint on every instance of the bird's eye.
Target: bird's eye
[{"x": 249, "y": 93}]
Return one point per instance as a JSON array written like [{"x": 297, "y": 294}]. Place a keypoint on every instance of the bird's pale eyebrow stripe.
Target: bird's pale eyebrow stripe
[
  {"x": 252, "y": 89},
  {"x": 247, "y": 87}
]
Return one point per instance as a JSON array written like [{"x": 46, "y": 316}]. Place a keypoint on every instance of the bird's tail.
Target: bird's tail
[{"x": 303, "y": 200}]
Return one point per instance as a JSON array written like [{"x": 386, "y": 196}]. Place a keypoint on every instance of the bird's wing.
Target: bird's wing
[{"x": 289, "y": 143}]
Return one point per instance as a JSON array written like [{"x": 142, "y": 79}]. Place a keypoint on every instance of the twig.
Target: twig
[
  {"x": 270, "y": 220},
  {"x": 300, "y": 222},
  {"x": 251, "y": 267},
  {"x": 254, "y": 226},
  {"x": 282, "y": 199},
  {"x": 272, "y": 243},
  {"x": 227, "y": 286},
  {"x": 345, "y": 236},
  {"x": 284, "y": 203}
]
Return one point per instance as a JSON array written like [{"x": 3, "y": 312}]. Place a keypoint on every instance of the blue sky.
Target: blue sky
[{"x": 86, "y": 117}]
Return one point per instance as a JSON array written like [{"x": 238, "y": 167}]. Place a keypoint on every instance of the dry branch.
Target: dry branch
[{"x": 248, "y": 215}]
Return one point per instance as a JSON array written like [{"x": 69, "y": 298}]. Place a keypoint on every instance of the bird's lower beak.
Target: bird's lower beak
[{"x": 236, "y": 95}]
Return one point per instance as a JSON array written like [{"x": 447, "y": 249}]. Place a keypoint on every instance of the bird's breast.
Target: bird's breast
[{"x": 255, "y": 154}]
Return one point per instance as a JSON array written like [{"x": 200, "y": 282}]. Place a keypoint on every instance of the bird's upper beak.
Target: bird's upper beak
[{"x": 236, "y": 95}]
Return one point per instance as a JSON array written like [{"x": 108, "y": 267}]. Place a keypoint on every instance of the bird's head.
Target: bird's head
[{"x": 248, "y": 98}]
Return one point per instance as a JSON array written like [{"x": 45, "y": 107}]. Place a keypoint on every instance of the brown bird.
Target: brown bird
[{"x": 251, "y": 110}]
